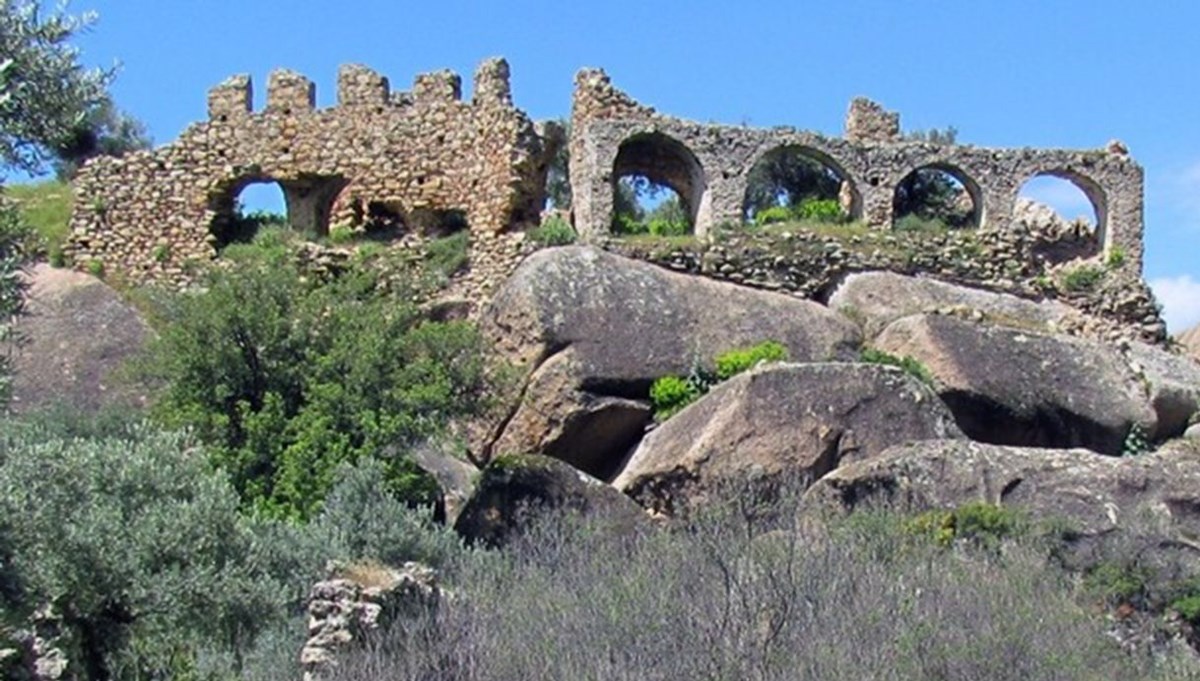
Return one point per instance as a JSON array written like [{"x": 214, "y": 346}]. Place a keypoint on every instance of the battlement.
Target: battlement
[
  {"x": 375, "y": 155},
  {"x": 361, "y": 86},
  {"x": 233, "y": 97}
]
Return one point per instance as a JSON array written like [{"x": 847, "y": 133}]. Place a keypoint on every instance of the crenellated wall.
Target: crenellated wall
[
  {"x": 151, "y": 215},
  {"x": 612, "y": 135}
]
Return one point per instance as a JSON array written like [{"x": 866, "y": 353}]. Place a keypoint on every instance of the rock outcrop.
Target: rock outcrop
[
  {"x": 76, "y": 335},
  {"x": 594, "y": 330},
  {"x": 517, "y": 490},
  {"x": 358, "y": 600},
  {"x": 781, "y": 421},
  {"x": 876, "y": 299},
  {"x": 1013, "y": 387},
  {"x": 1093, "y": 494}
]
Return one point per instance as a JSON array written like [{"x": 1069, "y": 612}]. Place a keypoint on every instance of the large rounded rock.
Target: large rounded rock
[
  {"x": 1013, "y": 387},
  {"x": 1173, "y": 384},
  {"x": 781, "y": 420},
  {"x": 593, "y": 330},
  {"x": 1094, "y": 494},
  {"x": 516, "y": 490},
  {"x": 876, "y": 299},
  {"x": 76, "y": 335}
]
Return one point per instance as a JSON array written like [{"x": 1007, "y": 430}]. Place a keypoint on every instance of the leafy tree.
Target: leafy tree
[
  {"x": 105, "y": 131},
  {"x": 558, "y": 175},
  {"x": 286, "y": 376},
  {"x": 135, "y": 543},
  {"x": 45, "y": 94}
]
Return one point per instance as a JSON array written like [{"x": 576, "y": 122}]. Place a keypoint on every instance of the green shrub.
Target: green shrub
[
  {"x": 161, "y": 253},
  {"x": 1116, "y": 258},
  {"x": 286, "y": 377},
  {"x": 665, "y": 227},
  {"x": 1136, "y": 441},
  {"x": 554, "y": 231},
  {"x": 820, "y": 210},
  {"x": 449, "y": 254},
  {"x": 137, "y": 543},
  {"x": 341, "y": 234},
  {"x": 910, "y": 365},
  {"x": 626, "y": 224},
  {"x": 1117, "y": 582},
  {"x": 670, "y": 394},
  {"x": 734, "y": 362},
  {"x": 95, "y": 267},
  {"x": 981, "y": 524},
  {"x": 772, "y": 215},
  {"x": 916, "y": 223},
  {"x": 1083, "y": 278}
]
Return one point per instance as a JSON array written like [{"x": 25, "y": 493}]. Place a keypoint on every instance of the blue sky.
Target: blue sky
[{"x": 1004, "y": 73}]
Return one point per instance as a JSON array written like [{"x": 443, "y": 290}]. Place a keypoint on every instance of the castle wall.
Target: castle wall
[
  {"x": 151, "y": 214},
  {"x": 613, "y": 135}
]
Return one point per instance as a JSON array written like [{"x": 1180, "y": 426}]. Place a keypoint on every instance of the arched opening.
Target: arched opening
[
  {"x": 245, "y": 205},
  {"x": 1064, "y": 212},
  {"x": 799, "y": 183},
  {"x": 937, "y": 197},
  {"x": 245, "y": 208},
  {"x": 658, "y": 186}
]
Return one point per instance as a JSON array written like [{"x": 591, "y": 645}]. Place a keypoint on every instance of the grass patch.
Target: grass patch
[
  {"x": 909, "y": 365},
  {"x": 46, "y": 207}
]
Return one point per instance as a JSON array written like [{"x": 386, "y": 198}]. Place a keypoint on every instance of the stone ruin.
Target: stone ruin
[
  {"x": 151, "y": 215},
  {"x": 376, "y": 153},
  {"x": 708, "y": 166}
]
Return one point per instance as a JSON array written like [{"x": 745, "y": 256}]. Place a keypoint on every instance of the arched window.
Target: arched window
[
  {"x": 1065, "y": 212},
  {"x": 937, "y": 196},
  {"x": 657, "y": 186},
  {"x": 798, "y": 183},
  {"x": 245, "y": 205}
]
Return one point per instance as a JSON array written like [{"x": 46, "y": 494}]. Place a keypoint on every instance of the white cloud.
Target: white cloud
[{"x": 1180, "y": 298}]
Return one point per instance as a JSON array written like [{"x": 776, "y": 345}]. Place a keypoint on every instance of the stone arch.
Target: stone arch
[
  {"x": 1096, "y": 195},
  {"x": 974, "y": 191},
  {"x": 666, "y": 161},
  {"x": 847, "y": 193},
  {"x": 308, "y": 197}
]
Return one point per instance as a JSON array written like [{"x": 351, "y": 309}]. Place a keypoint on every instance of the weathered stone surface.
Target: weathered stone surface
[
  {"x": 514, "y": 490},
  {"x": 1093, "y": 493},
  {"x": 78, "y": 333},
  {"x": 1173, "y": 382},
  {"x": 455, "y": 477},
  {"x": 358, "y": 599},
  {"x": 781, "y": 420},
  {"x": 709, "y": 166},
  {"x": 1013, "y": 387},
  {"x": 1190, "y": 340},
  {"x": 594, "y": 330},
  {"x": 397, "y": 157},
  {"x": 876, "y": 299}
]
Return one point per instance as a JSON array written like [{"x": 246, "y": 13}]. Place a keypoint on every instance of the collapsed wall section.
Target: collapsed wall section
[
  {"x": 709, "y": 166},
  {"x": 152, "y": 214}
]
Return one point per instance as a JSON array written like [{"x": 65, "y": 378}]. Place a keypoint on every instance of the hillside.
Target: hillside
[{"x": 46, "y": 207}]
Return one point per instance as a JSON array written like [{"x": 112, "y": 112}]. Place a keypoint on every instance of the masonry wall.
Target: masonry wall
[
  {"x": 709, "y": 166},
  {"x": 151, "y": 215}
]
